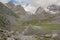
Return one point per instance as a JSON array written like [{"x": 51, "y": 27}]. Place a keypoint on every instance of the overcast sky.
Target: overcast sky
[{"x": 32, "y": 5}]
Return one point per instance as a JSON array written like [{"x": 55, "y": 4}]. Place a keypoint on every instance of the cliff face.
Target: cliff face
[
  {"x": 41, "y": 13},
  {"x": 10, "y": 5},
  {"x": 16, "y": 8},
  {"x": 8, "y": 17}
]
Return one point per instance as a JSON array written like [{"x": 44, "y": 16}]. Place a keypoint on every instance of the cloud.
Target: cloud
[
  {"x": 30, "y": 8},
  {"x": 32, "y": 5},
  {"x": 4, "y": 1},
  {"x": 36, "y": 3},
  {"x": 27, "y": 5},
  {"x": 45, "y": 3}
]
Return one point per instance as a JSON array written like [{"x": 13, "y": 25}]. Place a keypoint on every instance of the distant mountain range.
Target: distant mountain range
[
  {"x": 47, "y": 16},
  {"x": 16, "y": 13}
]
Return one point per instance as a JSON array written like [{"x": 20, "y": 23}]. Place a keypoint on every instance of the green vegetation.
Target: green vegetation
[
  {"x": 49, "y": 39},
  {"x": 45, "y": 26},
  {"x": 3, "y": 21},
  {"x": 38, "y": 21},
  {"x": 48, "y": 19},
  {"x": 42, "y": 23},
  {"x": 37, "y": 37},
  {"x": 51, "y": 26},
  {"x": 33, "y": 22},
  {"x": 16, "y": 15}
]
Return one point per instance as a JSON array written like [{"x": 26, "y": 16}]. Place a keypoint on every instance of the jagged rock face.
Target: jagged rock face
[
  {"x": 39, "y": 10},
  {"x": 41, "y": 13},
  {"x": 10, "y": 15},
  {"x": 16, "y": 8},
  {"x": 10, "y": 5},
  {"x": 20, "y": 10},
  {"x": 5, "y": 10},
  {"x": 55, "y": 18}
]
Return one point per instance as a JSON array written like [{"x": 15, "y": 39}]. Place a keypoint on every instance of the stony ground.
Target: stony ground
[{"x": 30, "y": 33}]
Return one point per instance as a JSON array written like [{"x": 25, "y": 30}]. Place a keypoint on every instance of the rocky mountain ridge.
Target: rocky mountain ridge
[{"x": 16, "y": 8}]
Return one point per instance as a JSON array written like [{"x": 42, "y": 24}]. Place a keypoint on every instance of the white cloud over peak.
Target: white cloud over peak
[
  {"x": 4, "y": 1},
  {"x": 45, "y": 3},
  {"x": 30, "y": 8},
  {"x": 34, "y": 4}
]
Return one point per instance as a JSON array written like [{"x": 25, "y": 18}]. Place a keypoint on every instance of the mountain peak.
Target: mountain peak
[
  {"x": 10, "y": 4},
  {"x": 54, "y": 8},
  {"x": 16, "y": 8}
]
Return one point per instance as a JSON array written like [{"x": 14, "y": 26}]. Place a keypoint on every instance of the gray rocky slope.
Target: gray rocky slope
[{"x": 10, "y": 15}]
